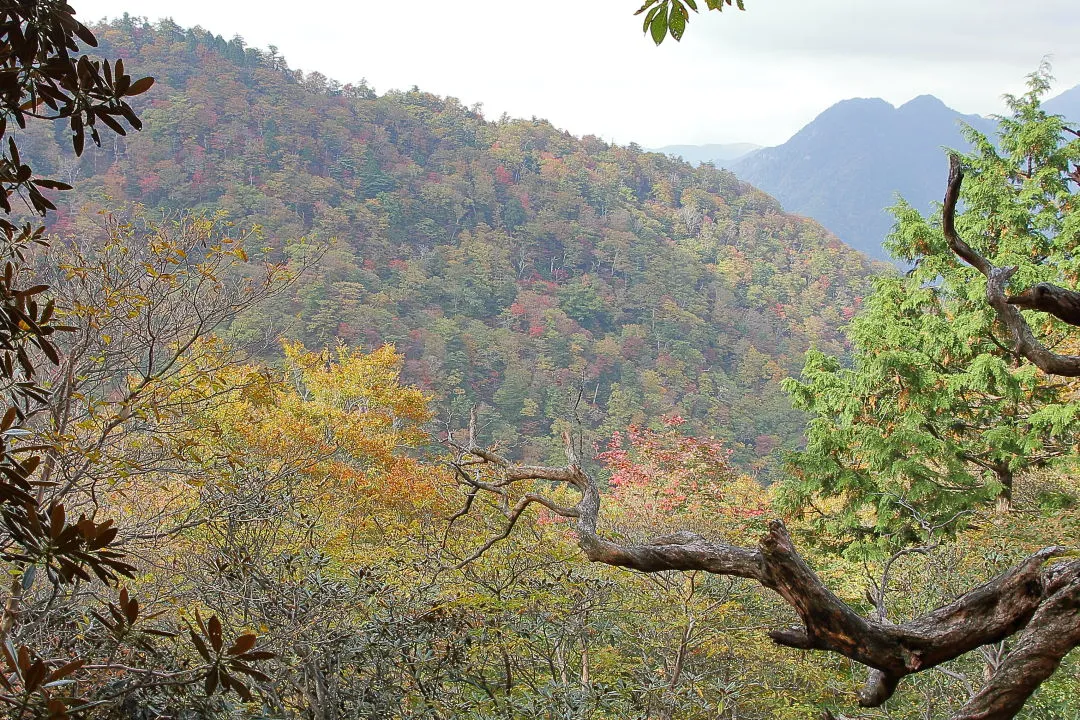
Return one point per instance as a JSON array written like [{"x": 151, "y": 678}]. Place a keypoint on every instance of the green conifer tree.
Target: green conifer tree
[{"x": 936, "y": 414}]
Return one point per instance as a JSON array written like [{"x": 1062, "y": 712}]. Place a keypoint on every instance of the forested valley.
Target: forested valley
[{"x": 324, "y": 404}]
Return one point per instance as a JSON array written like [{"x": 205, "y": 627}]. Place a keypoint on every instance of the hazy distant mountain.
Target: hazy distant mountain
[
  {"x": 720, "y": 155},
  {"x": 850, "y": 163},
  {"x": 1067, "y": 104}
]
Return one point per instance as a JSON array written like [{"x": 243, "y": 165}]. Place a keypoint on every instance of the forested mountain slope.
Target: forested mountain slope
[
  {"x": 516, "y": 267},
  {"x": 848, "y": 165}
]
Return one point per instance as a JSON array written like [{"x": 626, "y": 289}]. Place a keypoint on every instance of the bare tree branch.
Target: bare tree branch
[
  {"x": 987, "y": 614},
  {"x": 1062, "y": 303},
  {"x": 1053, "y": 631}
]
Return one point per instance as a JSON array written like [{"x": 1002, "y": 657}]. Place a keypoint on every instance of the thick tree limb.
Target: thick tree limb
[
  {"x": 1060, "y": 302},
  {"x": 948, "y": 220},
  {"x": 1054, "y": 630},
  {"x": 1031, "y": 598},
  {"x": 681, "y": 551},
  {"x": 1063, "y": 304}
]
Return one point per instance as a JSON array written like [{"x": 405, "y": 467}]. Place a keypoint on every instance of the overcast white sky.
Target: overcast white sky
[{"x": 754, "y": 76}]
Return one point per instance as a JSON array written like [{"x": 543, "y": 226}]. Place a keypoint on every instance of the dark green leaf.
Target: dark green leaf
[{"x": 658, "y": 27}]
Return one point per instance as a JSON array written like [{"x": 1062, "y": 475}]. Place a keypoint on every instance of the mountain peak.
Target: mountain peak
[
  {"x": 848, "y": 165},
  {"x": 1066, "y": 103},
  {"x": 841, "y": 117},
  {"x": 925, "y": 102},
  {"x": 857, "y": 106},
  {"x": 862, "y": 102}
]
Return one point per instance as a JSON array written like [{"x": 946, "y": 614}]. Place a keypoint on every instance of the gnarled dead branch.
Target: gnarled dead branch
[
  {"x": 1035, "y": 599},
  {"x": 1060, "y": 302}
]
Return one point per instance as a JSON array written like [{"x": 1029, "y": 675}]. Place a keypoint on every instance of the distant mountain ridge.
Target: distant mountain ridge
[
  {"x": 853, "y": 160},
  {"x": 1067, "y": 104},
  {"x": 719, "y": 154}
]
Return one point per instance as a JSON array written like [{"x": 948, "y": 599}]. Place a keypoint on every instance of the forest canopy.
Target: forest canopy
[
  {"x": 213, "y": 503},
  {"x": 510, "y": 263}
]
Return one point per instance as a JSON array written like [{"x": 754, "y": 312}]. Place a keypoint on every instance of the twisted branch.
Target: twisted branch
[
  {"x": 998, "y": 609},
  {"x": 1060, "y": 302}
]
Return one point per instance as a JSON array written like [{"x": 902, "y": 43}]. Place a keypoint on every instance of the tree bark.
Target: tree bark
[{"x": 1061, "y": 303}]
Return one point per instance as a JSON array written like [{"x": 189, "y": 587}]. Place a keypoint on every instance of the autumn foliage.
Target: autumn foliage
[{"x": 666, "y": 478}]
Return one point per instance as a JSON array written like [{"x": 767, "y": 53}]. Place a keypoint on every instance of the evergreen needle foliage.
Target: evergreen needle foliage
[{"x": 936, "y": 415}]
